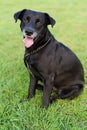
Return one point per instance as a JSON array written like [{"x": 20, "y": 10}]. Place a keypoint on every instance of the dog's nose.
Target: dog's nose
[{"x": 29, "y": 33}]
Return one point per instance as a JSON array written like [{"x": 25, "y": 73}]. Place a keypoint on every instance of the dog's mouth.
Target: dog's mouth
[
  {"x": 28, "y": 41},
  {"x": 29, "y": 38}
]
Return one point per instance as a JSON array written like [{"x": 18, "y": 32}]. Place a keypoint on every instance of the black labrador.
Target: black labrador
[{"x": 48, "y": 60}]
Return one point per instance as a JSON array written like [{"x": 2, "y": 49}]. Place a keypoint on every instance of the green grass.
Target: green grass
[{"x": 71, "y": 29}]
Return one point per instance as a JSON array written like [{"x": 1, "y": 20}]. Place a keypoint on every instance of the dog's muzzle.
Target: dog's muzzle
[
  {"x": 29, "y": 33},
  {"x": 29, "y": 37}
]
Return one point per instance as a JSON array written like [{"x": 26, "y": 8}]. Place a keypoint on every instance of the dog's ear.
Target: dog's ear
[
  {"x": 49, "y": 20},
  {"x": 19, "y": 15}
]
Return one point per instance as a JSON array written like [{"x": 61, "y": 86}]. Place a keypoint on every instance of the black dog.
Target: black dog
[{"x": 47, "y": 59}]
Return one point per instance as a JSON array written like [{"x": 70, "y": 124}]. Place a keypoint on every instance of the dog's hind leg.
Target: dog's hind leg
[{"x": 68, "y": 93}]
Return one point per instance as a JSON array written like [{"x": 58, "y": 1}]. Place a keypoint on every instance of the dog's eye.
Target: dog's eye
[
  {"x": 38, "y": 21},
  {"x": 26, "y": 20}
]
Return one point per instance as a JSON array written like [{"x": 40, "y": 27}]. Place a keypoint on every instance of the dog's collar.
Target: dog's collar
[{"x": 38, "y": 49}]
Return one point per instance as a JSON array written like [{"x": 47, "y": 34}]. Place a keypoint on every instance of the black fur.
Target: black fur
[{"x": 55, "y": 64}]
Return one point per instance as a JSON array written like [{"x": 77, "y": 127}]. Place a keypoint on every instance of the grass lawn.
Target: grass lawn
[{"x": 71, "y": 29}]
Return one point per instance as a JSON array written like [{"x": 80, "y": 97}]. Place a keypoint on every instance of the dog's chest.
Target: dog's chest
[
  {"x": 40, "y": 64},
  {"x": 32, "y": 64}
]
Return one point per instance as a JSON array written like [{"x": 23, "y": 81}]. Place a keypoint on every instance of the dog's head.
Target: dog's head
[{"x": 33, "y": 24}]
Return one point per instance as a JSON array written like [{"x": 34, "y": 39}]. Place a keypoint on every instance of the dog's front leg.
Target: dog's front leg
[
  {"x": 32, "y": 87},
  {"x": 47, "y": 92}
]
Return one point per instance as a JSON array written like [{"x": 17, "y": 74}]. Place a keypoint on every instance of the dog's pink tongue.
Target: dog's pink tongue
[{"x": 28, "y": 42}]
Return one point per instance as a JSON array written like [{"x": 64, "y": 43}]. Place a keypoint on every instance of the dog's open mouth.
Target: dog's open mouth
[{"x": 28, "y": 41}]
